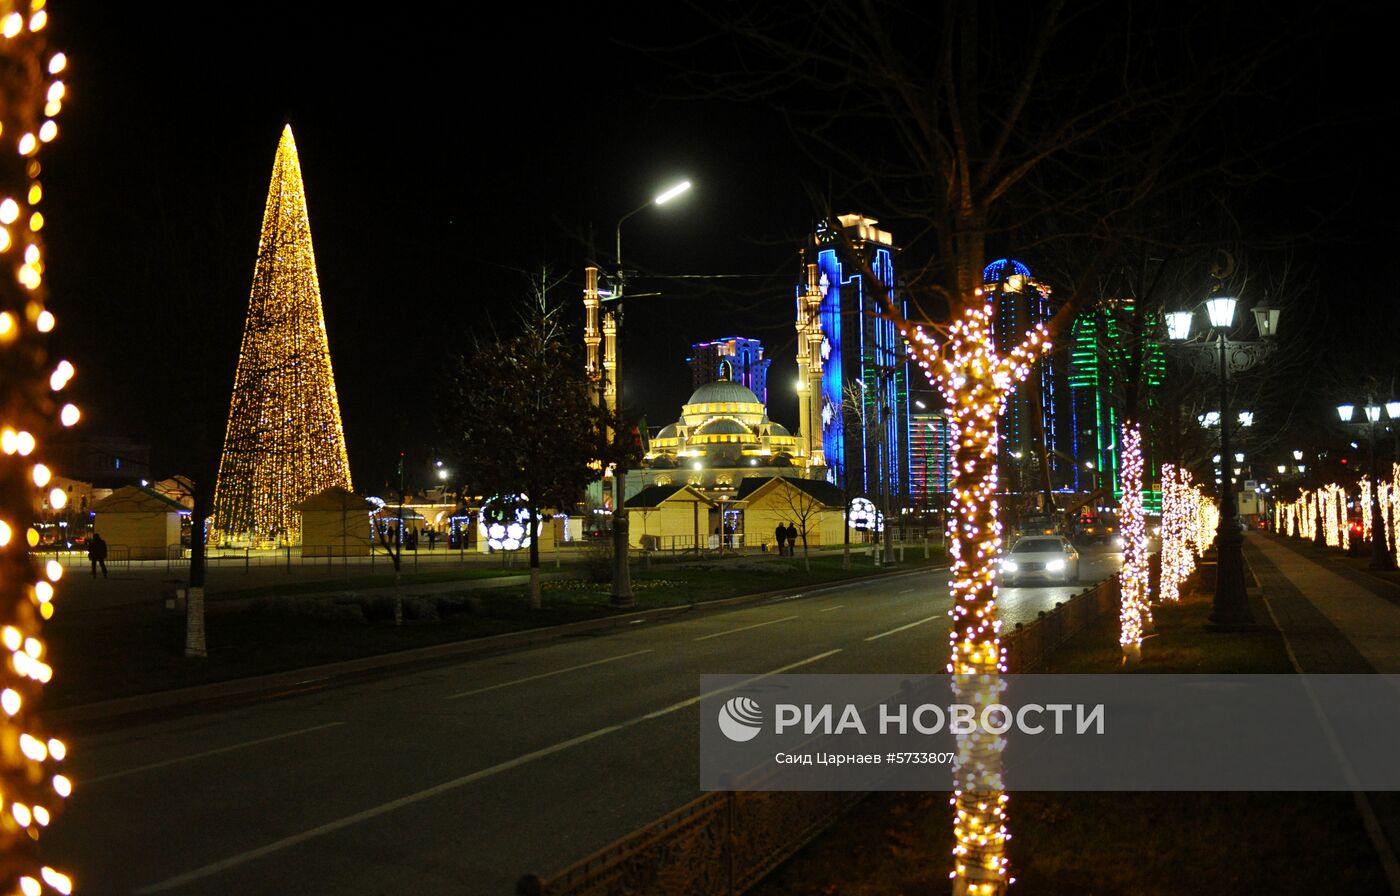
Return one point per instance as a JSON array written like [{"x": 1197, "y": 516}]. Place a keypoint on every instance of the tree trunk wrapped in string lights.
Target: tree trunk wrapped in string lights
[
  {"x": 30, "y": 785},
  {"x": 284, "y": 441},
  {"x": 1180, "y": 515},
  {"x": 976, "y": 382},
  {"x": 1134, "y": 613}
]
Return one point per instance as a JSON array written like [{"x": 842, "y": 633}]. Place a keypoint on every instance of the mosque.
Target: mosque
[{"x": 723, "y": 436}]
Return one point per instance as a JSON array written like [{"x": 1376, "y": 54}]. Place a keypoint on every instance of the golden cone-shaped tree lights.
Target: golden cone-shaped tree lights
[
  {"x": 31, "y": 785},
  {"x": 284, "y": 441}
]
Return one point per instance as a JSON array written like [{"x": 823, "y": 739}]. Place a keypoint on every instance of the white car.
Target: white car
[{"x": 1045, "y": 558}]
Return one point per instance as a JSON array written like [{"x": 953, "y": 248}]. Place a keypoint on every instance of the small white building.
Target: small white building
[
  {"x": 138, "y": 524},
  {"x": 335, "y": 523}
]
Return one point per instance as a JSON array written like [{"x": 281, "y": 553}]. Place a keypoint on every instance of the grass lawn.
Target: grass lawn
[
  {"x": 1115, "y": 844},
  {"x": 101, "y": 656},
  {"x": 378, "y": 580}
]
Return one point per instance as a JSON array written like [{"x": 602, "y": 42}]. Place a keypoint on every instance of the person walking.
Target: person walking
[
  {"x": 791, "y": 540},
  {"x": 97, "y": 555},
  {"x": 779, "y": 536}
]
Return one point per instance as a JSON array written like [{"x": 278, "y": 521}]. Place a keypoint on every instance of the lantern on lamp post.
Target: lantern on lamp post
[{"x": 1230, "y": 608}]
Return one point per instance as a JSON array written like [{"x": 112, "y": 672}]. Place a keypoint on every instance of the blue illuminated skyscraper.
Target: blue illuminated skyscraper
[
  {"x": 1030, "y": 426},
  {"x": 852, "y": 369}
]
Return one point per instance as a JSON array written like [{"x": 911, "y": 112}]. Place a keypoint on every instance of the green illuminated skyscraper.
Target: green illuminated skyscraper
[{"x": 1099, "y": 364}]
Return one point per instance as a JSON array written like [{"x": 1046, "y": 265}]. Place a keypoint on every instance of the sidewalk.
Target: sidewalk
[{"x": 1336, "y": 619}]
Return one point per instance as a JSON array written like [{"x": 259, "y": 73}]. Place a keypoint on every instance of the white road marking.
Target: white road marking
[
  {"x": 193, "y": 756},
  {"x": 905, "y": 591},
  {"x": 909, "y": 626},
  {"x": 506, "y": 684},
  {"x": 384, "y": 808},
  {"x": 744, "y": 628},
  {"x": 829, "y": 609}
]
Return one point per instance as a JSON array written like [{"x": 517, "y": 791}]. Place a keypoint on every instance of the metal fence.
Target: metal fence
[
  {"x": 718, "y": 845},
  {"x": 725, "y": 842}
]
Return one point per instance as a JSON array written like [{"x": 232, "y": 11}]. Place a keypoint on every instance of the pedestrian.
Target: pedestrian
[
  {"x": 792, "y": 540},
  {"x": 432, "y": 538},
  {"x": 97, "y": 553},
  {"x": 779, "y": 536}
]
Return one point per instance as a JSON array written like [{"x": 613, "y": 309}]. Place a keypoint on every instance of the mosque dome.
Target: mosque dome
[
  {"x": 723, "y": 426},
  {"x": 779, "y": 429},
  {"x": 724, "y": 391},
  {"x": 669, "y": 431}
]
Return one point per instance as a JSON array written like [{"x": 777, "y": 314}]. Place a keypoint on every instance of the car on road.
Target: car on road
[
  {"x": 1101, "y": 527},
  {"x": 1039, "y": 524},
  {"x": 1041, "y": 558}
]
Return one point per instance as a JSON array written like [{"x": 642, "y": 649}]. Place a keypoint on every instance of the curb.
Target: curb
[{"x": 296, "y": 681}]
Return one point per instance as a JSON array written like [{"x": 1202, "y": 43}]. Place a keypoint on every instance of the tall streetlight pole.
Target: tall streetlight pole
[
  {"x": 1380, "y": 553},
  {"x": 1230, "y": 607},
  {"x": 622, "y": 573}
]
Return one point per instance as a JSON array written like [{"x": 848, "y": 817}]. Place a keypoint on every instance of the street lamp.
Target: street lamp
[
  {"x": 1380, "y": 553},
  {"x": 622, "y": 575},
  {"x": 1230, "y": 607}
]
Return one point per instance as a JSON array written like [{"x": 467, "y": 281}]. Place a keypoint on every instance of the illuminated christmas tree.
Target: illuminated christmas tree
[
  {"x": 284, "y": 441},
  {"x": 31, "y": 787}
]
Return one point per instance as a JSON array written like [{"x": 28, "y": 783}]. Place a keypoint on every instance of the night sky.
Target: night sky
[{"x": 447, "y": 152}]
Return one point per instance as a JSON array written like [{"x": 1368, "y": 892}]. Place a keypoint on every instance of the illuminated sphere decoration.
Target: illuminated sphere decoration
[
  {"x": 864, "y": 517},
  {"x": 505, "y": 524},
  {"x": 32, "y": 786}
]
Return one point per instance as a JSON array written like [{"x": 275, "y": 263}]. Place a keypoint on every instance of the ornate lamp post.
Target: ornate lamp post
[
  {"x": 1380, "y": 554},
  {"x": 1230, "y": 608}
]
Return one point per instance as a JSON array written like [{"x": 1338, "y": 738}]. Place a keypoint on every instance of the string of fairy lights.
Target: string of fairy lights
[
  {"x": 1189, "y": 518},
  {"x": 31, "y": 786},
  {"x": 284, "y": 441},
  {"x": 1134, "y": 611},
  {"x": 1324, "y": 513},
  {"x": 975, "y": 382}
]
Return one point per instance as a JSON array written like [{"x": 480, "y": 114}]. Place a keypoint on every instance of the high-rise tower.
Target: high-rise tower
[
  {"x": 1029, "y": 427},
  {"x": 1100, "y": 363},
  {"x": 856, "y": 376},
  {"x": 735, "y": 358},
  {"x": 284, "y": 440}
]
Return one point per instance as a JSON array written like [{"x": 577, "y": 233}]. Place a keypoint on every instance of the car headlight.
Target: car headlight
[
  {"x": 1008, "y": 566},
  {"x": 1118, "y": 541},
  {"x": 1055, "y": 565}
]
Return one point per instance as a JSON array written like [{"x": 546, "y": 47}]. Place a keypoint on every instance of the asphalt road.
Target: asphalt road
[{"x": 456, "y": 780}]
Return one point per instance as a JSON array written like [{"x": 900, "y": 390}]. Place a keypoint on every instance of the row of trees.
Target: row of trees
[{"x": 520, "y": 422}]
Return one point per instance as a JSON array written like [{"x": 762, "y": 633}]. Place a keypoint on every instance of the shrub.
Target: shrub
[{"x": 598, "y": 560}]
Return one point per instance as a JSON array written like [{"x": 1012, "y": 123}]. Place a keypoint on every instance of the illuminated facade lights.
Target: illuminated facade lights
[
  {"x": 846, "y": 337},
  {"x": 1021, "y": 302},
  {"x": 284, "y": 441},
  {"x": 31, "y": 786},
  {"x": 1101, "y": 343}
]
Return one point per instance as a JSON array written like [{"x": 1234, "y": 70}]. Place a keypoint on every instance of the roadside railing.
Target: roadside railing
[{"x": 718, "y": 845}]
